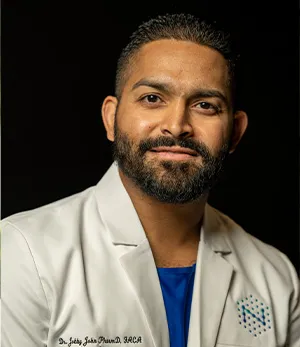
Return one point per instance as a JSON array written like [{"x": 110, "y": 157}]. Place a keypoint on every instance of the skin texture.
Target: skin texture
[{"x": 176, "y": 94}]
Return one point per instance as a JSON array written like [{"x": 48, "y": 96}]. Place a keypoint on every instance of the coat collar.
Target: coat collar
[{"x": 124, "y": 226}]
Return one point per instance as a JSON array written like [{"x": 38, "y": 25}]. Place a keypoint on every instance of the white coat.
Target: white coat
[{"x": 80, "y": 272}]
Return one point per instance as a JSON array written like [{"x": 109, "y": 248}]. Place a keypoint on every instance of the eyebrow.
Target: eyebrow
[
  {"x": 162, "y": 86},
  {"x": 167, "y": 88}
]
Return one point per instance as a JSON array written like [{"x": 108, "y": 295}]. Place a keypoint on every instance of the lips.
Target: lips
[{"x": 177, "y": 150}]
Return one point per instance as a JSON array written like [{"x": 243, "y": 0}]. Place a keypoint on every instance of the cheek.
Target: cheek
[
  {"x": 136, "y": 126},
  {"x": 143, "y": 125},
  {"x": 213, "y": 134}
]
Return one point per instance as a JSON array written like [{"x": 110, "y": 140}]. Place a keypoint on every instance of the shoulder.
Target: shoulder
[
  {"x": 254, "y": 256},
  {"x": 54, "y": 216}
]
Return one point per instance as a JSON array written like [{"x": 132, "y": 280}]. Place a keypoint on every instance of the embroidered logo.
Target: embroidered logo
[{"x": 254, "y": 315}]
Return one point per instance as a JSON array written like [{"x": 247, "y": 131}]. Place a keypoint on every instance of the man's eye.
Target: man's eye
[
  {"x": 205, "y": 105},
  {"x": 151, "y": 98}
]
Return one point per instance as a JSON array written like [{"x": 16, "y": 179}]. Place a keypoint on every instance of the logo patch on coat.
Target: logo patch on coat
[{"x": 254, "y": 315}]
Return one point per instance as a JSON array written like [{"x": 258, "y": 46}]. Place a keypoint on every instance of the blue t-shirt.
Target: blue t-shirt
[{"x": 177, "y": 288}]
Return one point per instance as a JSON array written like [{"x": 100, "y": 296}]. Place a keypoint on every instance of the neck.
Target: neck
[{"x": 173, "y": 231}]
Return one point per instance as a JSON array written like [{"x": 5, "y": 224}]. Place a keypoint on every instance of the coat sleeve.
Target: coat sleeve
[
  {"x": 293, "y": 339},
  {"x": 25, "y": 312}
]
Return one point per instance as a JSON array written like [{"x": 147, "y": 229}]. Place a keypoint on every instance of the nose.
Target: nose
[{"x": 176, "y": 121}]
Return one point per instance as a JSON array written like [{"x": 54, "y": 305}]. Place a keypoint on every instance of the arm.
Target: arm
[
  {"x": 293, "y": 339},
  {"x": 25, "y": 312}
]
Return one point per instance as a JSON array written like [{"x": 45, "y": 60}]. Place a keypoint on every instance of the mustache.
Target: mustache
[{"x": 200, "y": 148}]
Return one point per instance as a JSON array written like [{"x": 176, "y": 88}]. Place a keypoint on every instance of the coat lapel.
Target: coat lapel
[
  {"x": 141, "y": 271},
  {"x": 124, "y": 228},
  {"x": 213, "y": 273},
  {"x": 212, "y": 283}
]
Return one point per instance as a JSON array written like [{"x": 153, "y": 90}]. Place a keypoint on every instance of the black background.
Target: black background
[{"x": 58, "y": 64}]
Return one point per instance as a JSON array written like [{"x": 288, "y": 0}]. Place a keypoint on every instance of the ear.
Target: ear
[
  {"x": 240, "y": 123},
  {"x": 108, "y": 110}
]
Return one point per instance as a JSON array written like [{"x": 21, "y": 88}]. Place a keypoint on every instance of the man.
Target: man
[{"x": 142, "y": 259}]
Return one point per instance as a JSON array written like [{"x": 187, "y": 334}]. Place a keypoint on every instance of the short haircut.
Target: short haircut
[{"x": 183, "y": 27}]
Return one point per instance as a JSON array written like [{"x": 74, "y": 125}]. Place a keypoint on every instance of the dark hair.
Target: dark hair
[{"x": 184, "y": 27}]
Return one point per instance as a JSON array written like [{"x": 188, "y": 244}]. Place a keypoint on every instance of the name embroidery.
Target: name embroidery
[{"x": 99, "y": 341}]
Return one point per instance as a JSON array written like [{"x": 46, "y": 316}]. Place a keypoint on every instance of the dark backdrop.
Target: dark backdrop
[{"x": 59, "y": 63}]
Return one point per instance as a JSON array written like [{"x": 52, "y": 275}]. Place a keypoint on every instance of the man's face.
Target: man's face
[{"x": 177, "y": 94}]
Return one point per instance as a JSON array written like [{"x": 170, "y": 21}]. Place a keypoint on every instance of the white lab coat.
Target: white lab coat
[{"x": 80, "y": 272}]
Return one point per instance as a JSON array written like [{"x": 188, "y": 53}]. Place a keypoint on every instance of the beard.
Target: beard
[{"x": 169, "y": 181}]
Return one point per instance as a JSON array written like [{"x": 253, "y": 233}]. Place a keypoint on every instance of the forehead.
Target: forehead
[{"x": 182, "y": 63}]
